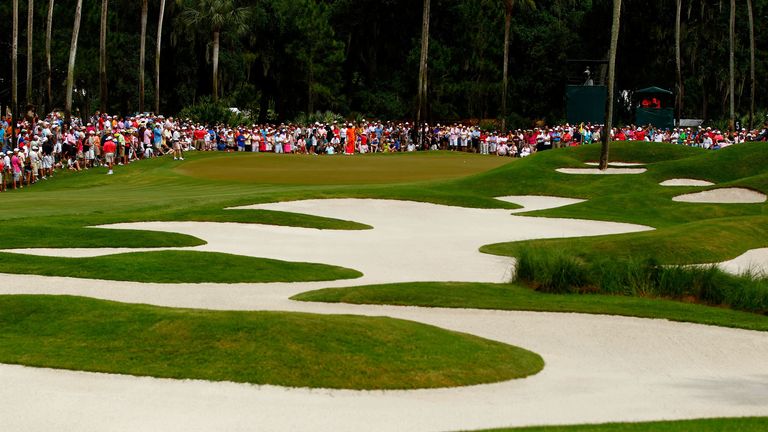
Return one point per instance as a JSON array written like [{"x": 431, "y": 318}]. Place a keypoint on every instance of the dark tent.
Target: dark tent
[{"x": 654, "y": 108}]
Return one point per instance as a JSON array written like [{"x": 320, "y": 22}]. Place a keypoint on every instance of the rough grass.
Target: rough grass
[
  {"x": 563, "y": 273},
  {"x": 746, "y": 424},
  {"x": 174, "y": 267},
  {"x": 288, "y": 349},
  {"x": 515, "y": 297}
]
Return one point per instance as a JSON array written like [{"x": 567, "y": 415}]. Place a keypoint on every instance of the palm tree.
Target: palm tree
[
  {"x": 142, "y": 52},
  {"x": 157, "y": 56},
  {"x": 103, "y": 57},
  {"x": 14, "y": 70},
  {"x": 732, "y": 67},
  {"x": 48, "y": 29},
  {"x": 751, "y": 62},
  {"x": 71, "y": 64},
  {"x": 216, "y": 15},
  {"x": 422, "y": 94},
  {"x": 509, "y": 5},
  {"x": 606, "y": 136},
  {"x": 678, "y": 63},
  {"x": 30, "y": 23}
]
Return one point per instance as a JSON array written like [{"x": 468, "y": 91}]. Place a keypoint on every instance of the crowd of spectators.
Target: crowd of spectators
[{"x": 42, "y": 146}]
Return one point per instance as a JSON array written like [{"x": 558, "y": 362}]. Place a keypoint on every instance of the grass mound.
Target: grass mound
[
  {"x": 515, "y": 297},
  {"x": 745, "y": 424},
  {"x": 171, "y": 266},
  {"x": 288, "y": 349}
]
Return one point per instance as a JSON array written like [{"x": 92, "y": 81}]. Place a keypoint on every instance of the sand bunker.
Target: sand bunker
[
  {"x": 685, "y": 182},
  {"x": 617, "y": 164},
  {"x": 598, "y": 368},
  {"x": 754, "y": 261},
  {"x": 596, "y": 171},
  {"x": 723, "y": 196}
]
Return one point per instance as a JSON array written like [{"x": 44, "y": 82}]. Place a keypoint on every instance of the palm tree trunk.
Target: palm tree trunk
[
  {"x": 30, "y": 24},
  {"x": 732, "y": 67},
  {"x": 509, "y": 4},
  {"x": 606, "y": 136},
  {"x": 157, "y": 56},
  {"x": 14, "y": 71},
  {"x": 103, "y": 57},
  {"x": 216, "y": 35},
  {"x": 678, "y": 63},
  {"x": 422, "y": 94},
  {"x": 49, "y": 70},
  {"x": 71, "y": 64},
  {"x": 752, "y": 81},
  {"x": 142, "y": 52}
]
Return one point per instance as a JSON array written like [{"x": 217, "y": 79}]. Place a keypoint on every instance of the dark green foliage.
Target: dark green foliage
[
  {"x": 209, "y": 112},
  {"x": 562, "y": 273},
  {"x": 361, "y": 56}
]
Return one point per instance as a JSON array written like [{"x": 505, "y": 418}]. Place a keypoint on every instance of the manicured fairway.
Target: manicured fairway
[
  {"x": 747, "y": 424},
  {"x": 289, "y": 349},
  {"x": 175, "y": 267},
  {"x": 512, "y": 297},
  {"x": 338, "y": 170}
]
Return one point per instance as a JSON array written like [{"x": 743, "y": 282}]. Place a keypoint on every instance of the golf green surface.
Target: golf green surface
[{"x": 259, "y": 168}]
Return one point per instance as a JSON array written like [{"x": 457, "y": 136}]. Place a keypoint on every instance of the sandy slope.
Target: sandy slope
[{"x": 723, "y": 196}]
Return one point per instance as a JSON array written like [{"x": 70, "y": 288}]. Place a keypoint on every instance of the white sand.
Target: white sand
[
  {"x": 723, "y": 196},
  {"x": 599, "y": 368},
  {"x": 686, "y": 182},
  {"x": 597, "y": 171},
  {"x": 617, "y": 164},
  {"x": 754, "y": 261}
]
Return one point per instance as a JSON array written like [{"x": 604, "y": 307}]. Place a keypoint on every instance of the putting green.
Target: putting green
[{"x": 268, "y": 168}]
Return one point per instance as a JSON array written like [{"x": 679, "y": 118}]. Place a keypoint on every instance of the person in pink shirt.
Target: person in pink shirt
[
  {"x": 16, "y": 169},
  {"x": 2, "y": 172}
]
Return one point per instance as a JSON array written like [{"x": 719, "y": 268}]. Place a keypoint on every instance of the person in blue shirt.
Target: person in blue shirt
[
  {"x": 241, "y": 141},
  {"x": 158, "y": 138}
]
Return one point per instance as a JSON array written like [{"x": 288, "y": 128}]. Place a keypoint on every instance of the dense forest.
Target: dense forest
[{"x": 281, "y": 58}]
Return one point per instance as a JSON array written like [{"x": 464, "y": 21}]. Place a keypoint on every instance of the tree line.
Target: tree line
[{"x": 439, "y": 60}]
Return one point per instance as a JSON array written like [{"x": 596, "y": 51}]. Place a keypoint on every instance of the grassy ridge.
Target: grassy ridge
[
  {"x": 514, "y": 297},
  {"x": 289, "y": 349},
  {"x": 745, "y": 424},
  {"x": 175, "y": 267}
]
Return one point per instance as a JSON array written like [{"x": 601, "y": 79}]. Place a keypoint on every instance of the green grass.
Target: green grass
[
  {"x": 56, "y": 213},
  {"x": 745, "y": 424},
  {"x": 562, "y": 273},
  {"x": 261, "y": 168},
  {"x": 288, "y": 349},
  {"x": 171, "y": 266},
  {"x": 514, "y": 297}
]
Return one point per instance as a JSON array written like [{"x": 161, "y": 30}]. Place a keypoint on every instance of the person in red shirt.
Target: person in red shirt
[{"x": 109, "y": 149}]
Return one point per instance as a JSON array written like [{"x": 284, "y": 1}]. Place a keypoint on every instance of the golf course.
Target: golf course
[{"x": 432, "y": 291}]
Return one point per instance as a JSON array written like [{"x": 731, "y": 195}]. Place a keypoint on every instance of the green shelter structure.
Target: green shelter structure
[
  {"x": 654, "y": 107},
  {"x": 586, "y": 103}
]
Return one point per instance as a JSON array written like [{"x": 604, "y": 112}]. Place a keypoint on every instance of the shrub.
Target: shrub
[
  {"x": 563, "y": 274},
  {"x": 208, "y": 112}
]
